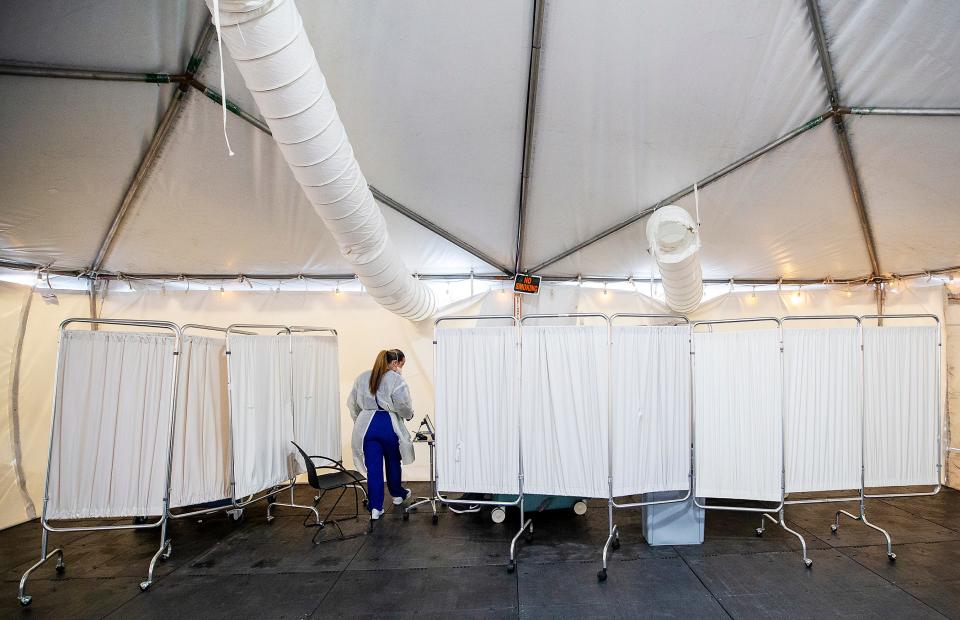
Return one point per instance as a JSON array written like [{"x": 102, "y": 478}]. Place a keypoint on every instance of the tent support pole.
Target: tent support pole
[
  {"x": 533, "y": 84},
  {"x": 40, "y": 71},
  {"x": 843, "y": 139},
  {"x": 743, "y": 161},
  {"x": 159, "y": 138},
  {"x": 868, "y": 111}
]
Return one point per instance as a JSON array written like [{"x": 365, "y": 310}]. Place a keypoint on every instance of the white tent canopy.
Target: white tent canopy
[{"x": 631, "y": 103}]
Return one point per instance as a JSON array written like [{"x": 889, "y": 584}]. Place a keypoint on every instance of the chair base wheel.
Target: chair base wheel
[
  {"x": 807, "y": 562},
  {"x": 24, "y": 600},
  {"x": 602, "y": 574}
]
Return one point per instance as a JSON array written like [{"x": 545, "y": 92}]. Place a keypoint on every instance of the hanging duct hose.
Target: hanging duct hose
[
  {"x": 674, "y": 240},
  {"x": 267, "y": 40}
]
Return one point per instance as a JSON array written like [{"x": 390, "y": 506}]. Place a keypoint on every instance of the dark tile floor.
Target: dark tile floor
[{"x": 414, "y": 569}]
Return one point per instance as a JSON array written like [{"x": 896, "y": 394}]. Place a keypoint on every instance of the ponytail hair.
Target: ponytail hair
[{"x": 380, "y": 367}]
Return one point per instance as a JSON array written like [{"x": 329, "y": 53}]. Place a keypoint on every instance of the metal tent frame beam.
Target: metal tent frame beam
[
  {"x": 43, "y": 71},
  {"x": 843, "y": 139},
  {"x": 159, "y": 138},
  {"x": 529, "y": 120}
]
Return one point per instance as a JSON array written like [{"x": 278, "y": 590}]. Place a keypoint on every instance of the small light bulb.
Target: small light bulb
[
  {"x": 336, "y": 291},
  {"x": 604, "y": 288}
]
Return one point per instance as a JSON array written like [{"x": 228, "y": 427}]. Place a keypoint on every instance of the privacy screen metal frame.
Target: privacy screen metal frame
[
  {"x": 525, "y": 524},
  {"x": 166, "y": 547}
]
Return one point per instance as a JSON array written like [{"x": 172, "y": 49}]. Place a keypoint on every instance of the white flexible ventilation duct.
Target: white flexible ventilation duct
[
  {"x": 674, "y": 240},
  {"x": 267, "y": 40}
]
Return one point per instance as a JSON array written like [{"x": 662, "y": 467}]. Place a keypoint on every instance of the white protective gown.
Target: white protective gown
[{"x": 394, "y": 397}]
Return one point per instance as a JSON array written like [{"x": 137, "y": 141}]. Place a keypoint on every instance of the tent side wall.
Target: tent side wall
[{"x": 365, "y": 328}]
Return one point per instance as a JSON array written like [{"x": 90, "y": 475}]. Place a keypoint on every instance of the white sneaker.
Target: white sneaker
[
  {"x": 375, "y": 514},
  {"x": 399, "y": 500}
]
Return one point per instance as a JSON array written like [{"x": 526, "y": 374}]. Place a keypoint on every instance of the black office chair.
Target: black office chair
[{"x": 338, "y": 478}]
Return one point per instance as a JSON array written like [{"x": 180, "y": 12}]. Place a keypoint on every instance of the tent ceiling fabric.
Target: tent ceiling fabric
[
  {"x": 909, "y": 168},
  {"x": 626, "y": 120},
  {"x": 69, "y": 151},
  {"x": 244, "y": 214},
  {"x": 751, "y": 222},
  {"x": 112, "y": 35},
  {"x": 432, "y": 96},
  {"x": 637, "y": 100},
  {"x": 891, "y": 53}
]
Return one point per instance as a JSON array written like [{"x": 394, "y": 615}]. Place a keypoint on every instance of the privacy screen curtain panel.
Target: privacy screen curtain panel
[
  {"x": 564, "y": 410},
  {"x": 111, "y": 427},
  {"x": 823, "y": 413},
  {"x": 316, "y": 394},
  {"x": 477, "y": 410},
  {"x": 261, "y": 412},
  {"x": 737, "y": 411},
  {"x": 651, "y": 409},
  {"x": 201, "y": 447},
  {"x": 901, "y": 395}
]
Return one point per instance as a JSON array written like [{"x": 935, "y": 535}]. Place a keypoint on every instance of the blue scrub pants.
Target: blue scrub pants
[{"x": 380, "y": 445}]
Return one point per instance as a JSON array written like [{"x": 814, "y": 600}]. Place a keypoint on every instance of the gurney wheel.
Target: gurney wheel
[
  {"x": 602, "y": 574},
  {"x": 511, "y": 566},
  {"x": 435, "y": 519}
]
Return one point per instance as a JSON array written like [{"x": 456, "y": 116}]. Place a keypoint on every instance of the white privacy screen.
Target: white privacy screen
[
  {"x": 564, "y": 410},
  {"x": 651, "y": 409},
  {"x": 111, "y": 436},
  {"x": 737, "y": 413},
  {"x": 201, "y": 448},
  {"x": 822, "y": 436},
  {"x": 261, "y": 412},
  {"x": 316, "y": 395},
  {"x": 477, "y": 410},
  {"x": 901, "y": 392}
]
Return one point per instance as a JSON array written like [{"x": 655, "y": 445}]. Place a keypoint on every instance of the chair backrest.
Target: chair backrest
[{"x": 310, "y": 467}]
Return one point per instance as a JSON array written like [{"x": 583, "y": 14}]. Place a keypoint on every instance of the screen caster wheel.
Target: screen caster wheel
[
  {"x": 807, "y": 562},
  {"x": 435, "y": 519},
  {"x": 759, "y": 531},
  {"x": 528, "y": 537},
  {"x": 616, "y": 544},
  {"x": 406, "y": 515},
  {"x": 892, "y": 557},
  {"x": 602, "y": 575},
  {"x": 61, "y": 569},
  {"x": 166, "y": 554},
  {"x": 24, "y": 600},
  {"x": 511, "y": 566},
  {"x": 834, "y": 528},
  {"x": 145, "y": 585}
]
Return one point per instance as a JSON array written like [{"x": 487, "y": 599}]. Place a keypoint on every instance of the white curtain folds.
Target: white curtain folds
[
  {"x": 111, "y": 435},
  {"x": 737, "y": 414},
  {"x": 261, "y": 412},
  {"x": 316, "y": 395},
  {"x": 901, "y": 392},
  {"x": 201, "y": 449},
  {"x": 651, "y": 409},
  {"x": 822, "y": 436},
  {"x": 477, "y": 410},
  {"x": 564, "y": 405}
]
